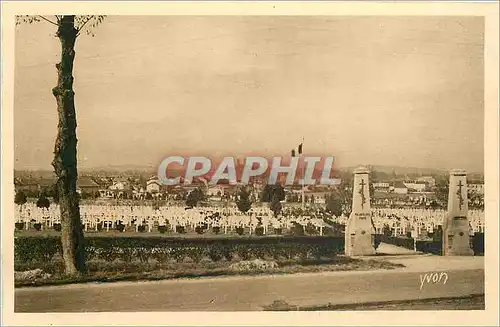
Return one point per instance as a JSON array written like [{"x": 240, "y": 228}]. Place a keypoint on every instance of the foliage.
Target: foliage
[
  {"x": 82, "y": 22},
  {"x": 442, "y": 190},
  {"x": 37, "y": 249},
  {"x": 120, "y": 226},
  {"x": 275, "y": 204},
  {"x": 404, "y": 242},
  {"x": 42, "y": 201},
  {"x": 194, "y": 197},
  {"x": 387, "y": 230},
  {"x": 20, "y": 198},
  {"x": 334, "y": 205},
  {"x": 28, "y": 249},
  {"x": 437, "y": 236},
  {"x": 478, "y": 243},
  {"x": 57, "y": 227},
  {"x": 20, "y": 225},
  {"x": 259, "y": 231},
  {"x": 180, "y": 229},
  {"x": 271, "y": 192},
  {"x": 244, "y": 204},
  {"x": 377, "y": 240},
  {"x": 311, "y": 229},
  {"x": 297, "y": 229},
  {"x": 200, "y": 229}
]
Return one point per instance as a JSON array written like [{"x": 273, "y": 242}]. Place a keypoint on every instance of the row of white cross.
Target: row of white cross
[{"x": 399, "y": 220}]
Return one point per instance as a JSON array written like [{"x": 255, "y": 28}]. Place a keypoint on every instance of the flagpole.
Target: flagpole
[{"x": 303, "y": 176}]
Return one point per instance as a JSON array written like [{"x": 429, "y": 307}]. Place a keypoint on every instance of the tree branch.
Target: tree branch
[
  {"x": 81, "y": 27},
  {"x": 48, "y": 20}
]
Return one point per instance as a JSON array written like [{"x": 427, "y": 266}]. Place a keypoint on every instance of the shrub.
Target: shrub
[
  {"x": 43, "y": 202},
  {"x": 57, "y": 227},
  {"x": 377, "y": 240},
  {"x": 297, "y": 229},
  {"x": 20, "y": 226},
  {"x": 278, "y": 231},
  {"x": 311, "y": 229},
  {"x": 216, "y": 253},
  {"x": 178, "y": 254},
  {"x": 199, "y": 229},
  {"x": 478, "y": 243},
  {"x": 259, "y": 231},
  {"x": 216, "y": 229},
  {"x": 120, "y": 227},
  {"x": 398, "y": 241},
  {"x": 162, "y": 229},
  {"x": 253, "y": 265},
  {"x": 161, "y": 255},
  {"x": 180, "y": 229},
  {"x": 227, "y": 252},
  {"x": 258, "y": 251},
  {"x": 195, "y": 253},
  {"x": 240, "y": 230},
  {"x": 42, "y": 249},
  {"x": 37, "y": 226},
  {"x": 20, "y": 198},
  {"x": 141, "y": 228},
  {"x": 429, "y": 247},
  {"x": 243, "y": 252},
  {"x": 163, "y": 249}
]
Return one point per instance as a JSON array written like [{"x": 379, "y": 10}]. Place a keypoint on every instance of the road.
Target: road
[
  {"x": 466, "y": 303},
  {"x": 465, "y": 277}
]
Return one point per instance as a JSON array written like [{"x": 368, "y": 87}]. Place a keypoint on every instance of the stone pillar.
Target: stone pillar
[
  {"x": 456, "y": 240},
  {"x": 359, "y": 229}
]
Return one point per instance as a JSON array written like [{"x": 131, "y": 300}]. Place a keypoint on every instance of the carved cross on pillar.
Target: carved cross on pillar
[
  {"x": 362, "y": 192},
  {"x": 460, "y": 197}
]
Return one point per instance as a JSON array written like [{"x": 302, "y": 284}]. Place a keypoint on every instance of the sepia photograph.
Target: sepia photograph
[{"x": 250, "y": 163}]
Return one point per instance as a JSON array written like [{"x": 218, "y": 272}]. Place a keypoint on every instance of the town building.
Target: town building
[
  {"x": 216, "y": 191},
  {"x": 119, "y": 185},
  {"x": 415, "y": 186},
  {"x": 429, "y": 180},
  {"x": 400, "y": 188},
  {"x": 86, "y": 185},
  {"x": 153, "y": 186},
  {"x": 381, "y": 186}
]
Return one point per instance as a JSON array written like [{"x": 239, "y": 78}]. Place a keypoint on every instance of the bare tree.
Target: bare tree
[{"x": 69, "y": 27}]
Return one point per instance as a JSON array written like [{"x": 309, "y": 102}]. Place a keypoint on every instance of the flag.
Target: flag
[{"x": 298, "y": 150}]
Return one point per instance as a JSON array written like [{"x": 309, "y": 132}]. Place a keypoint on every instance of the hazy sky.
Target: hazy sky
[{"x": 397, "y": 91}]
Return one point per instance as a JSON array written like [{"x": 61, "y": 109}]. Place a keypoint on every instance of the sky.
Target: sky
[{"x": 397, "y": 91}]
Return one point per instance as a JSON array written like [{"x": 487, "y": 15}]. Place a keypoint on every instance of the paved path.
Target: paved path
[
  {"x": 465, "y": 277},
  {"x": 395, "y": 250}
]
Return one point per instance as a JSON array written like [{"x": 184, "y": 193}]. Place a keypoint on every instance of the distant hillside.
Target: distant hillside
[{"x": 380, "y": 172}]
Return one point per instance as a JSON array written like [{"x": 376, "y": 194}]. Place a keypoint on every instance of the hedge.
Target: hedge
[
  {"x": 478, "y": 243},
  {"x": 433, "y": 246},
  {"x": 163, "y": 249},
  {"x": 404, "y": 242}
]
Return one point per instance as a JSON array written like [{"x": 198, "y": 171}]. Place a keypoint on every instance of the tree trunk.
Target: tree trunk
[{"x": 65, "y": 152}]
